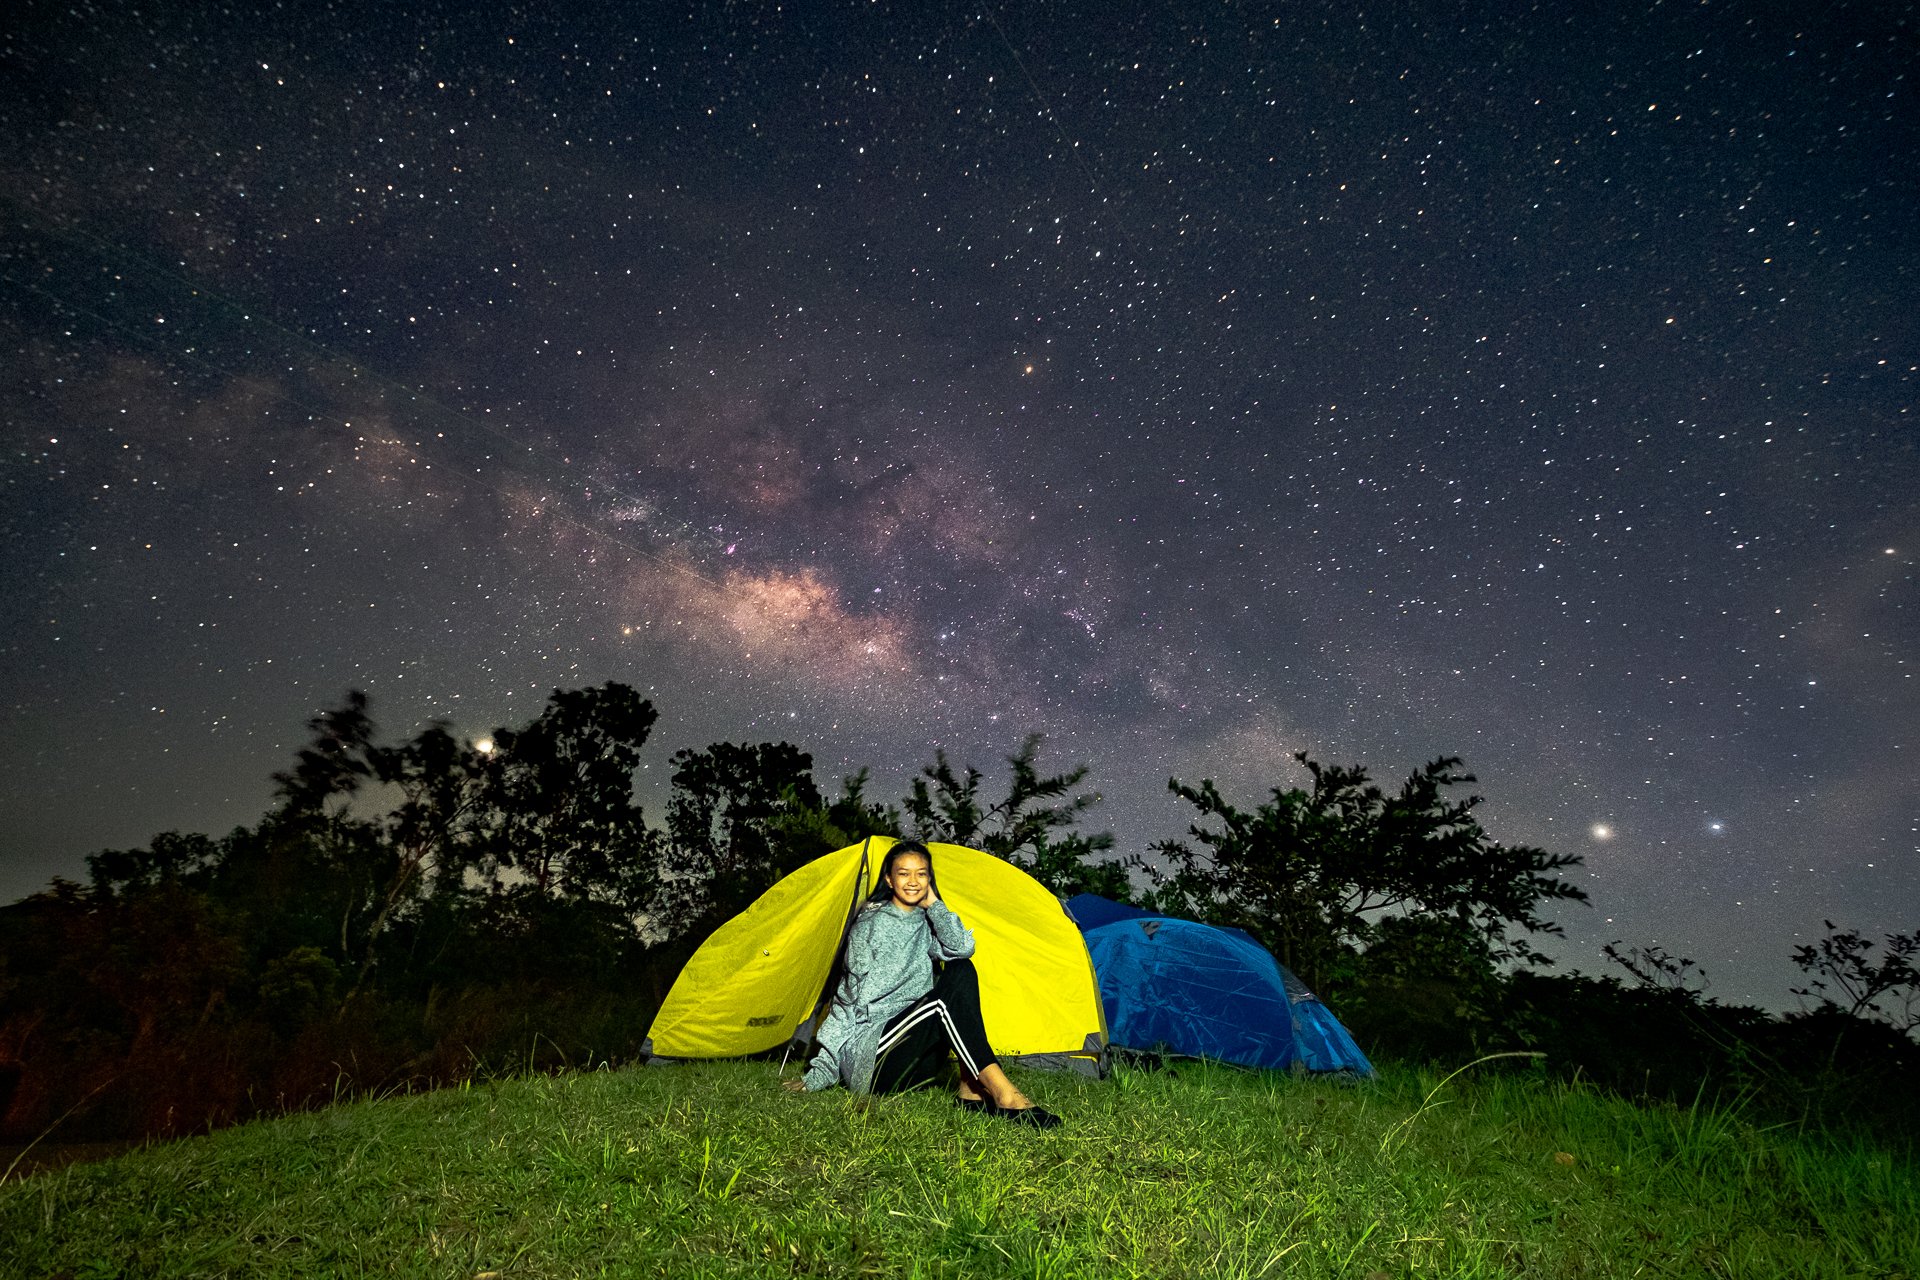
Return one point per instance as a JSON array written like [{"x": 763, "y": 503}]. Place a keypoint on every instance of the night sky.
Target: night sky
[{"x": 1193, "y": 384}]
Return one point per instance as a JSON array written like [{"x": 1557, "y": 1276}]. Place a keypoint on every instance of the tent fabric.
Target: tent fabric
[
  {"x": 757, "y": 981},
  {"x": 1322, "y": 1043},
  {"x": 1172, "y": 985},
  {"x": 1176, "y": 985},
  {"x": 757, "y": 976},
  {"x": 1090, "y": 911}
]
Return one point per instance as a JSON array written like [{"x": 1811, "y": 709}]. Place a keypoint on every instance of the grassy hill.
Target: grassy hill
[{"x": 711, "y": 1170}]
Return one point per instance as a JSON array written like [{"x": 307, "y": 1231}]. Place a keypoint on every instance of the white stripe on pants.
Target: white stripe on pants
[{"x": 913, "y": 1018}]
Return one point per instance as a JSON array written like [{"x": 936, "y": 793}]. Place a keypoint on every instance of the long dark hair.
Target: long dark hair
[{"x": 882, "y": 891}]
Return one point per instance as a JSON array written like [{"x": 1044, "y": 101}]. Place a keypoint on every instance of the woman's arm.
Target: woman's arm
[
  {"x": 823, "y": 1072},
  {"x": 859, "y": 967},
  {"x": 951, "y": 939},
  {"x": 846, "y": 1010}
]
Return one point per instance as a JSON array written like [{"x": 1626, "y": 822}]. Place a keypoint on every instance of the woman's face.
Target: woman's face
[{"x": 911, "y": 879}]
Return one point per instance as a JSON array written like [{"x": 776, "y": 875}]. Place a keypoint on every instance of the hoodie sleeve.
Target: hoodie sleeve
[
  {"x": 951, "y": 939},
  {"x": 859, "y": 970},
  {"x": 836, "y": 1054},
  {"x": 824, "y": 1071}
]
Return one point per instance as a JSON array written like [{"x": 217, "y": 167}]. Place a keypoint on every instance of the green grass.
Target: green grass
[{"x": 711, "y": 1170}]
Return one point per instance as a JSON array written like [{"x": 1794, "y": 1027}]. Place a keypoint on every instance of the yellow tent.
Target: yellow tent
[{"x": 758, "y": 981}]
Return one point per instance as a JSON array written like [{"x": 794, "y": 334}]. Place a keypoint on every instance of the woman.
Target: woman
[{"x": 893, "y": 1019}]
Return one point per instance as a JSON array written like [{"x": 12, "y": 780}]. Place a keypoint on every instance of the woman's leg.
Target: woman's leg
[
  {"x": 913, "y": 1047},
  {"x": 916, "y": 1057},
  {"x": 993, "y": 1082}
]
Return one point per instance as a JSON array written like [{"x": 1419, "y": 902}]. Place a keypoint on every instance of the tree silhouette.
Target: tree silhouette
[
  {"x": 558, "y": 817},
  {"x": 1842, "y": 965},
  {"x": 737, "y": 822},
  {"x": 1310, "y": 871},
  {"x": 172, "y": 858},
  {"x": 421, "y": 839},
  {"x": 452, "y": 838},
  {"x": 1655, "y": 968},
  {"x": 1030, "y": 828}
]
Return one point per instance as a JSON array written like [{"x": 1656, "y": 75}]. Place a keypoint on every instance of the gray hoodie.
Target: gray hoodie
[{"x": 890, "y": 955}]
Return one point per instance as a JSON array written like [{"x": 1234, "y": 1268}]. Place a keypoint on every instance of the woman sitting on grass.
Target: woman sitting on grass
[{"x": 893, "y": 1020}]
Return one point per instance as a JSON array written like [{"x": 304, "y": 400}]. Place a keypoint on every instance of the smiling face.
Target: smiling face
[{"x": 910, "y": 877}]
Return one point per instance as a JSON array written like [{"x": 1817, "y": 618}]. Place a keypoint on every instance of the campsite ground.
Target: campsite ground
[{"x": 711, "y": 1170}]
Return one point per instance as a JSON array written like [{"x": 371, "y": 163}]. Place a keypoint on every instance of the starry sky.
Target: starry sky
[{"x": 1193, "y": 384}]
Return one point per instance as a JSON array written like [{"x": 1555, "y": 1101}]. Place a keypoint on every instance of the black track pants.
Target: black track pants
[{"x": 913, "y": 1048}]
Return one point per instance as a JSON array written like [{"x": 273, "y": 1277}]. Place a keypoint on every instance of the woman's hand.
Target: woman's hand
[{"x": 795, "y": 1085}]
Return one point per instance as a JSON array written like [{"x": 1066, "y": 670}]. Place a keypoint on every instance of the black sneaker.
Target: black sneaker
[{"x": 1032, "y": 1117}]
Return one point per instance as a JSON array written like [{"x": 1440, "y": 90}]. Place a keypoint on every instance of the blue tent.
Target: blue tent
[{"x": 1175, "y": 986}]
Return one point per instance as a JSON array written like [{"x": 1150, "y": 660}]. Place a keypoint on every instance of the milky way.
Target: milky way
[{"x": 1193, "y": 386}]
